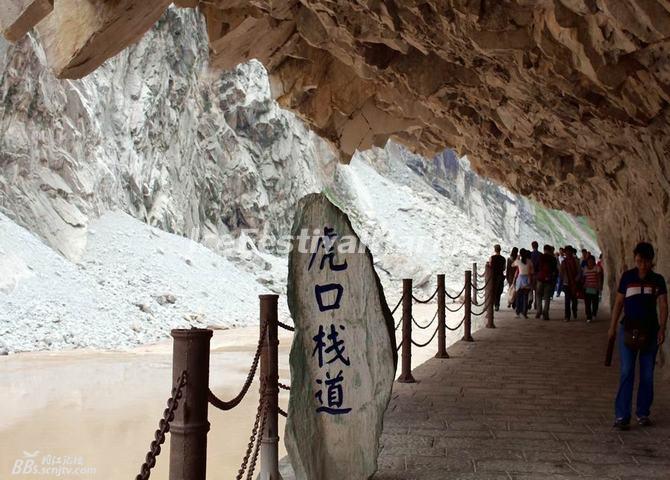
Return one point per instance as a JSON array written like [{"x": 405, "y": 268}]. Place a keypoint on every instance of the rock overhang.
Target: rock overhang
[{"x": 562, "y": 100}]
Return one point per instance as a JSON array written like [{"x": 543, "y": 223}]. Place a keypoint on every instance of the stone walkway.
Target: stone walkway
[{"x": 527, "y": 400}]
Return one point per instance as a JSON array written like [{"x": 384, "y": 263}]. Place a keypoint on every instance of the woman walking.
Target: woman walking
[
  {"x": 523, "y": 281},
  {"x": 510, "y": 275}
]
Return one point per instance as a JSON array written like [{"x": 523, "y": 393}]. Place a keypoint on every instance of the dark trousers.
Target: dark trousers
[
  {"x": 543, "y": 295},
  {"x": 591, "y": 304},
  {"x": 570, "y": 302},
  {"x": 522, "y": 301},
  {"x": 499, "y": 286}
]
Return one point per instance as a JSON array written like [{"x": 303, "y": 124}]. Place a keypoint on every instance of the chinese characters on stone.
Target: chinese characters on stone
[{"x": 329, "y": 348}]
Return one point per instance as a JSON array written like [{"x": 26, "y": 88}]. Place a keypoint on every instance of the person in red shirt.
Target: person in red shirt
[{"x": 570, "y": 274}]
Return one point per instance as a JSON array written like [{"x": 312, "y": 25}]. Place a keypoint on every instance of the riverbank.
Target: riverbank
[{"x": 103, "y": 407}]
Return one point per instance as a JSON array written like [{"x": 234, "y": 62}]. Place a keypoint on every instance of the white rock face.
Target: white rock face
[
  {"x": 342, "y": 356},
  {"x": 154, "y": 133},
  {"x": 420, "y": 218},
  {"x": 200, "y": 155},
  {"x": 133, "y": 284}
]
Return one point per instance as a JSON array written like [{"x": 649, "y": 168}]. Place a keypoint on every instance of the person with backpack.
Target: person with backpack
[
  {"x": 498, "y": 270},
  {"x": 546, "y": 279},
  {"x": 640, "y": 334},
  {"x": 570, "y": 276},
  {"x": 523, "y": 282},
  {"x": 593, "y": 285}
]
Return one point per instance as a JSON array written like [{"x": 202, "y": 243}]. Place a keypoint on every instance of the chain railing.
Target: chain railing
[
  {"x": 163, "y": 428},
  {"x": 466, "y": 298},
  {"x": 229, "y": 405},
  {"x": 186, "y": 414}
]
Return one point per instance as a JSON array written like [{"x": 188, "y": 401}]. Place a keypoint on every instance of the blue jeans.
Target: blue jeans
[{"x": 645, "y": 391}]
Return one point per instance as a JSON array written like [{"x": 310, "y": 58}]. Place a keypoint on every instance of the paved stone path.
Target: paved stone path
[{"x": 527, "y": 400}]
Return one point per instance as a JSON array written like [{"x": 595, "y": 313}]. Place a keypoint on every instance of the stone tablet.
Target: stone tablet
[{"x": 343, "y": 353}]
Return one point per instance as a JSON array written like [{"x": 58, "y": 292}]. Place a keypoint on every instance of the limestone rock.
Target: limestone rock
[
  {"x": 81, "y": 34},
  {"x": 343, "y": 352},
  {"x": 19, "y": 16}
]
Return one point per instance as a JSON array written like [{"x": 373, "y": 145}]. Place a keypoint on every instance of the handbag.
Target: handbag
[
  {"x": 636, "y": 333},
  {"x": 511, "y": 295}
]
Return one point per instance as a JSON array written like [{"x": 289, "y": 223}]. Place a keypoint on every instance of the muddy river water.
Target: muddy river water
[{"x": 92, "y": 415}]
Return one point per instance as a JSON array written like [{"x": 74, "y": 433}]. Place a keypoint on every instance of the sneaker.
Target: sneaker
[
  {"x": 644, "y": 421},
  {"x": 566, "y": 319},
  {"x": 537, "y": 315},
  {"x": 525, "y": 316},
  {"x": 545, "y": 317},
  {"x": 621, "y": 424},
  {"x": 588, "y": 320}
]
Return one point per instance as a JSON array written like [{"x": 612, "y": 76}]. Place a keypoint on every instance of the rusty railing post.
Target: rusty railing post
[
  {"x": 441, "y": 320},
  {"x": 188, "y": 442},
  {"x": 270, "y": 378},
  {"x": 406, "y": 373},
  {"x": 467, "y": 323},
  {"x": 475, "y": 283},
  {"x": 490, "y": 293}
]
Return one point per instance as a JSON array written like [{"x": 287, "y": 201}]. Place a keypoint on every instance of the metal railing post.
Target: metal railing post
[
  {"x": 188, "y": 442},
  {"x": 406, "y": 373},
  {"x": 441, "y": 320},
  {"x": 270, "y": 388},
  {"x": 467, "y": 324},
  {"x": 475, "y": 282},
  {"x": 490, "y": 293}
]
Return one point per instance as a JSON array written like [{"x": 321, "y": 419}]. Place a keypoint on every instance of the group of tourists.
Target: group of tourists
[
  {"x": 639, "y": 315},
  {"x": 534, "y": 278}
]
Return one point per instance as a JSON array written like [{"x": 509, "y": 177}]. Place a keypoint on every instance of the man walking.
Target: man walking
[
  {"x": 641, "y": 333},
  {"x": 498, "y": 269},
  {"x": 535, "y": 260},
  {"x": 546, "y": 279},
  {"x": 559, "y": 283},
  {"x": 569, "y": 272}
]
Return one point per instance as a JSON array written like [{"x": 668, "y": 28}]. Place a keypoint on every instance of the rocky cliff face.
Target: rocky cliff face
[
  {"x": 152, "y": 132},
  {"x": 155, "y": 138},
  {"x": 562, "y": 100}
]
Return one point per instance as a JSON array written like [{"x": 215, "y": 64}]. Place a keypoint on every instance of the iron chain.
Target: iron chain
[
  {"x": 456, "y": 327},
  {"x": 420, "y": 345},
  {"x": 397, "y": 305},
  {"x": 455, "y": 309},
  {"x": 286, "y": 326},
  {"x": 457, "y": 296},
  {"x": 163, "y": 428},
  {"x": 223, "y": 405},
  {"x": 254, "y": 434},
  {"x": 427, "y": 300},
  {"x": 424, "y": 327},
  {"x": 254, "y": 457}
]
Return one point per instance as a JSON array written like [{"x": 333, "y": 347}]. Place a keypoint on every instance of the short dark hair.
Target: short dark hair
[
  {"x": 534, "y": 244},
  {"x": 496, "y": 247},
  {"x": 644, "y": 250}
]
